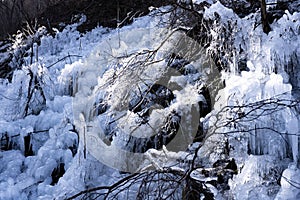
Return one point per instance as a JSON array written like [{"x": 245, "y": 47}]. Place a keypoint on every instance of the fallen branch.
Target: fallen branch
[{"x": 62, "y": 59}]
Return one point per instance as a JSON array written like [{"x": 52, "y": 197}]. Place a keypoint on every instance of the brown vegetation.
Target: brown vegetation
[{"x": 51, "y": 13}]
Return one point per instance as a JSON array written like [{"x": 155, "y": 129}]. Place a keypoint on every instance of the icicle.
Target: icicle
[
  {"x": 258, "y": 144},
  {"x": 295, "y": 149},
  {"x": 293, "y": 133}
]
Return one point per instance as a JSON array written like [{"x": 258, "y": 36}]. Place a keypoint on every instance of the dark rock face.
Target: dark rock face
[
  {"x": 152, "y": 97},
  {"x": 155, "y": 95},
  {"x": 217, "y": 176},
  {"x": 164, "y": 135},
  {"x": 57, "y": 172},
  {"x": 195, "y": 189}
]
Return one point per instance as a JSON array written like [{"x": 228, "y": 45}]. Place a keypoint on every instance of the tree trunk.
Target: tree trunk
[{"x": 264, "y": 17}]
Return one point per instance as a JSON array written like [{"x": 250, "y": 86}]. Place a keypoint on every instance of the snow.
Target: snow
[
  {"x": 200, "y": 1},
  {"x": 76, "y": 70},
  {"x": 217, "y": 7},
  {"x": 289, "y": 184},
  {"x": 255, "y": 177}
]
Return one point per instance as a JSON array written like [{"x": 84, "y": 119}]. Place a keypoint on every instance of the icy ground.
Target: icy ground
[{"x": 74, "y": 66}]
